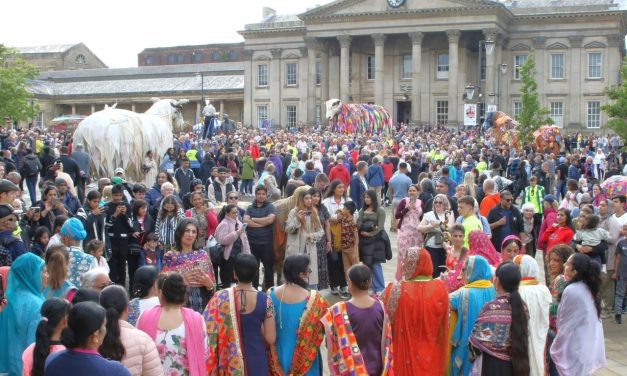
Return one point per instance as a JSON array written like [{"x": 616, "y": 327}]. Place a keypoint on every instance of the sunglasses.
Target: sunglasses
[
  {"x": 233, "y": 198},
  {"x": 438, "y": 202}
]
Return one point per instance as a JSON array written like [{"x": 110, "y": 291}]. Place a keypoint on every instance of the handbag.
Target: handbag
[{"x": 216, "y": 250}]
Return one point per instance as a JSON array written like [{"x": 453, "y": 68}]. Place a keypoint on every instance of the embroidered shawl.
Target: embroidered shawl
[{"x": 226, "y": 355}]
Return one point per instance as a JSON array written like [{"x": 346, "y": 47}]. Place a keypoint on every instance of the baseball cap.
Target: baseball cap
[
  {"x": 550, "y": 198},
  {"x": 118, "y": 170},
  {"x": 6, "y": 210},
  {"x": 8, "y": 186}
]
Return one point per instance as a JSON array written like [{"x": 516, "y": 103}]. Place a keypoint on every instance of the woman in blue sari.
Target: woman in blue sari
[
  {"x": 466, "y": 304},
  {"x": 21, "y": 316}
]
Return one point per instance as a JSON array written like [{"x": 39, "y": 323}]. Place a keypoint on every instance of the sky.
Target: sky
[{"x": 117, "y": 30}]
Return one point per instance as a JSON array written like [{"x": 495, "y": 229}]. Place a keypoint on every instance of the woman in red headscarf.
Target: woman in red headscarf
[{"x": 418, "y": 309}]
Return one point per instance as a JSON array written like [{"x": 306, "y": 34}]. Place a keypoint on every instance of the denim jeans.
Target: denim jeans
[
  {"x": 31, "y": 184},
  {"x": 246, "y": 186},
  {"x": 378, "y": 282},
  {"x": 560, "y": 191},
  {"x": 621, "y": 288}
]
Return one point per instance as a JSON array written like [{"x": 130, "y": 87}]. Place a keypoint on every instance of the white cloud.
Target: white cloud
[{"x": 118, "y": 30}]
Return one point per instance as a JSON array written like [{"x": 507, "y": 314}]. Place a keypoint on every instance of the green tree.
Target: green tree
[
  {"x": 617, "y": 110},
  {"x": 531, "y": 116},
  {"x": 15, "y": 99}
]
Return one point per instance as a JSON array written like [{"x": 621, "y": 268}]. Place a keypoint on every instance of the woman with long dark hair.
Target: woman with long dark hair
[
  {"x": 324, "y": 244},
  {"x": 134, "y": 348},
  {"x": 500, "y": 337},
  {"x": 334, "y": 200},
  {"x": 298, "y": 311},
  {"x": 193, "y": 263},
  {"x": 83, "y": 336},
  {"x": 562, "y": 231},
  {"x": 372, "y": 244},
  {"x": 579, "y": 346},
  {"x": 54, "y": 314}
]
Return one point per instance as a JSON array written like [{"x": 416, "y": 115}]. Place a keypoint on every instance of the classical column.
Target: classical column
[
  {"x": 133, "y": 106},
  {"x": 221, "y": 109},
  {"x": 73, "y": 109},
  {"x": 490, "y": 65},
  {"x": 416, "y": 67},
  {"x": 324, "y": 73},
  {"x": 453, "y": 65},
  {"x": 539, "y": 43},
  {"x": 93, "y": 108},
  {"x": 575, "y": 112},
  {"x": 248, "y": 87},
  {"x": 379, "y": 48},
  {"x": 345, "y": 44},
  {"x": 275, "y": 87},
  {"x": 311, "y": 81}
]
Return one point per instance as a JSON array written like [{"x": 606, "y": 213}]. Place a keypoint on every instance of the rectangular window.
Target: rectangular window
[
  {"x": 39, "y": 123},
  {"x": 318, "y": 114},
  {"x": 557, "y": 113},
  {"x": 262, "y": 75},
  {"x": 370, "y": 66},
  {"x": 557, "y": 66},
  {"x": 171, "y": 59},
  {"x": 262, "y": 116},
  {"x": 442, "y": 64},
  {"x": 406, "y": 67},
  {"x": 150, "y": 60},
  {"x": 519, "y": 60},
  {"x": 517, "y": 108},
  {"x": 318, "y": 72},
  {"x": 595, "y": 59},
  {"x": 291, "y": 78},
  {"x": 290, "y": 112},
  {"x": 441, "y": 112},
  {"x": 594, "y": 114},
  {"x": 197, "y": 57}
]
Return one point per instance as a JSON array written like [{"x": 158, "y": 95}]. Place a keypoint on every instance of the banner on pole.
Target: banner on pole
[{"x": 470, "y": 114}]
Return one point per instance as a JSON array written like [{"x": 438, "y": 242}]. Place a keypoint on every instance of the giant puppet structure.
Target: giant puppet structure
[
  {"x": 366, "y": 119},
  {"x": 548, "y": 137},
  {"x": 121, "y": 138},
  {"x": 502, "y": 128}
]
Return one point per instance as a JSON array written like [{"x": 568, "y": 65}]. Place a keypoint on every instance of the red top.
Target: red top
[
  {"x": 388, "y": 171},
  {"x": 340, "y": 172},
  {"x": 557, "y": 235}
]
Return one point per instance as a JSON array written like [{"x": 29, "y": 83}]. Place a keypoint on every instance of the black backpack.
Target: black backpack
[
  {"x": 31, "y": 167},
  {"x": 6, "y": 258}
]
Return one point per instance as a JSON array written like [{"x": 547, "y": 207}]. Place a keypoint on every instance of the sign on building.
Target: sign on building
[{"x": 470, "y": 114}]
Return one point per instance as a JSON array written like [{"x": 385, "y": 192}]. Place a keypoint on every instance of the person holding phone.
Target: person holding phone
[{"x": 231, "y": 233}]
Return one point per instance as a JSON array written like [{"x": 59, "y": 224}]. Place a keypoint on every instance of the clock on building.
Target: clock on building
[{"x": 395, "y": 3}]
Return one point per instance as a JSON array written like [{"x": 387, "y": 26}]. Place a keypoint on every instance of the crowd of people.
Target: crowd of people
[{"x": 221, "y": 261}]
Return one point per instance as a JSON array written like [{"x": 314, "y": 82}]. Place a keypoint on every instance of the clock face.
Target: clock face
[{"x": 395, "y": 3}]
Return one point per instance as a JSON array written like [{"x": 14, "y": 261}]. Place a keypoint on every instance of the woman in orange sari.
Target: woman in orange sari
[{"x": 418, "y": 308}]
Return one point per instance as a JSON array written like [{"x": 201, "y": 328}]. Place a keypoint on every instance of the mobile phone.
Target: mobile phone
[
  {"x": 36, "y": 209},
  {"x": 244, "y": 226}
]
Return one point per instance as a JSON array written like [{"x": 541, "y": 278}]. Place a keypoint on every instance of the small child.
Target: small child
[
  {"x": 456, "y": 250},
  {"x": 620, "y": 275},
  {"x": 349, "y": 235},
  {"x": 151, "y": 254},
  {"x": 589, "y": 234},
  {"x": 95, "y": 248},
  {"x": 40, "y": 241}
]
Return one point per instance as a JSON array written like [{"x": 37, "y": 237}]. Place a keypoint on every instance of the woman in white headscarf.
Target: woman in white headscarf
[{"x": 538, "y": 298}]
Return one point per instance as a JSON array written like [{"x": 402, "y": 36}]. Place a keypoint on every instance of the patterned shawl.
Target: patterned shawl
[
  {"x": 480, "y": 245},
  {"x": 309, "y": 338},
  {"x": 491, "y": 333},
  {"x": 226, "y": 355},
  {"x": 344, "y": 355}
]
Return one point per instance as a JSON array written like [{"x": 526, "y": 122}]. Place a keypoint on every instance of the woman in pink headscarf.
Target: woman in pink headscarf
[
  {"x": 511, "y": 247},
  {"x": 479, "y": 245}
]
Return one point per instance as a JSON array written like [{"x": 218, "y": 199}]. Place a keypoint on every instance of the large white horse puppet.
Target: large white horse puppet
[
  {"x": 121, "y": 138},
  {"x": 358, "y": 118}
]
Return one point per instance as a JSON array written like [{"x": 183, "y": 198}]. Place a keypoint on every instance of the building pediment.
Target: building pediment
[
  {"x": 595, "y": 44},
  {"x": 341, "y": 8},
  {"x": 521, "y": 47},
  {"x": 557, "y": 46}
]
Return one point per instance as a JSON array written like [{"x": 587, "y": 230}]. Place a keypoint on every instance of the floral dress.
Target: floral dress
[
  {"x": 321, "y": 248},
  {"x": 171, "y": 349},
  {"x": 408, "y": 234}
]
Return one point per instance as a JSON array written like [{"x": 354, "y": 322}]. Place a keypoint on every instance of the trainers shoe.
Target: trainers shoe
[
  {"x": 335, "y": 290},
  {"x": 618, "y": 318}
]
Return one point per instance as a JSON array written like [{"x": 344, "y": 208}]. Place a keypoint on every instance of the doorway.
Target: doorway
[{"x": 403, "y": 112}]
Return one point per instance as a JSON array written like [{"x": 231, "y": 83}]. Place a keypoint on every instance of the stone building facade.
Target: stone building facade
[
  {"x": 60, "y": 57},
  {"x": 207, "y": 53},
  {"x": 416, "y": 58}
]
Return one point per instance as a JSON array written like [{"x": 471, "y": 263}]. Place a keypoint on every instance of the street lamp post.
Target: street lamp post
[{"x": 488, "y": 45}]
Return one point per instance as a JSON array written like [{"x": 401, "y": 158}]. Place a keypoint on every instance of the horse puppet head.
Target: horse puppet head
[
  {"x": 333, "y": 107},
  {"x": 171, "y": 108}
]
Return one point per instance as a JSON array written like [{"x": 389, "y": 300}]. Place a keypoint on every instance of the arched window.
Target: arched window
[
  {"x": 80, "y": 59},
  {"x": 216, "y": 56},
  {"x": 150, "y": 60}
]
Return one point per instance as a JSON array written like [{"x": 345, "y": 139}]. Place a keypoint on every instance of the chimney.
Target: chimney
[{"x": 268, "y": 12}]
